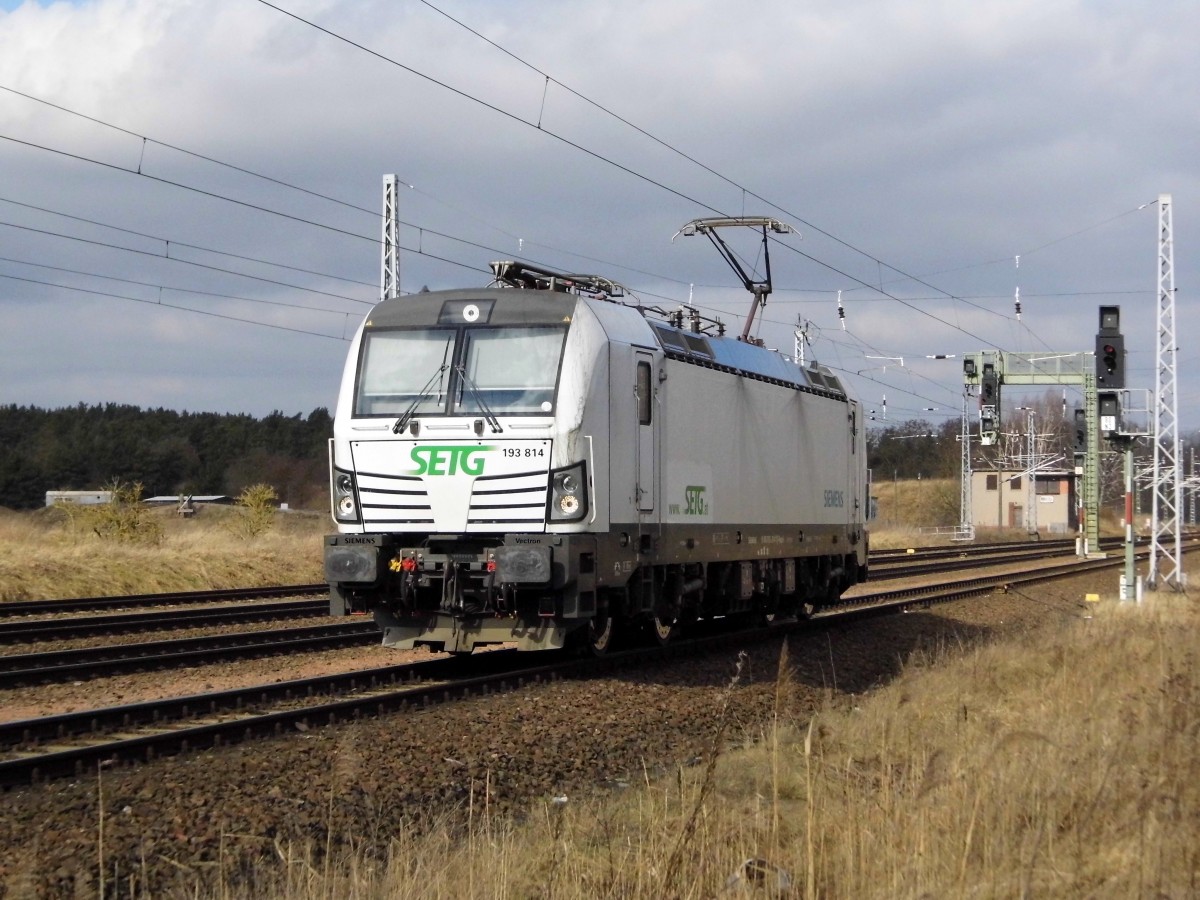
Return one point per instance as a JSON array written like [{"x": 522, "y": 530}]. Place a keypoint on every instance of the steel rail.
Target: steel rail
[
  {"x": 42, "y": 668},
  {"x": 969, "y": 550},
  {"x": 62, "y": 628},
  {"x": 131, "y": 601},
  {"x": 912, "y": 566}
]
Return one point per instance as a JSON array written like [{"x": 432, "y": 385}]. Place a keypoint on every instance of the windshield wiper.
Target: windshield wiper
[
  {"x": 478, "y": 397},
  {"x": 402, "y": 422}
]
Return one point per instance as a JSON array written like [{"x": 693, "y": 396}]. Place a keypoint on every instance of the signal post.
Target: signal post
[{"x": 1101, "y": 413}]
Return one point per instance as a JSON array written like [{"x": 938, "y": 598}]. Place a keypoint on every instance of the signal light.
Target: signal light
[
  {"x": 1110, "y": 361},
  {"x": 1081, "y": 441}
]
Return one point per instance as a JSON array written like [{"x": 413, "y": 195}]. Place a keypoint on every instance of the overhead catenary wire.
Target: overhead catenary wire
[
  {"x": 748, "y": 192},
  {"x": 451, "y": 237},
  {"x": 178, "y": 243},
  {"x": 336, "y": 200},
  {"x": 808, "y": 224},
  {"x": 202, "y": 312},
  {"x": 299, "y": 219},
  {"x": 496, "y": 109},
  {"x": 176, "y": 259},
  {"x": 168, "y": 287},
  {"x": 601, "y": 157}
]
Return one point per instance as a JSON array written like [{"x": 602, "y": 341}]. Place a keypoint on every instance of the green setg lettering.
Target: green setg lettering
[{"x": 449, "y": 459}]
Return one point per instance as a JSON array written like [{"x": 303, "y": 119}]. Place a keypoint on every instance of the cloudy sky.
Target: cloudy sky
[{"x": 190, "y": 191}]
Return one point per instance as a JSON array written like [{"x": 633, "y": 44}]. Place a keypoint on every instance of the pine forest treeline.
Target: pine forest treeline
[{"x": 168, "y": 452}]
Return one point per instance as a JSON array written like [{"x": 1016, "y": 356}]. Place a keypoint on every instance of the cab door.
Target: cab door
[{"x": 643, "y": 390}]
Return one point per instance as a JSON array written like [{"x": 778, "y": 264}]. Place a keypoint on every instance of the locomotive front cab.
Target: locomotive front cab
[{"x": 450, "y": 466}]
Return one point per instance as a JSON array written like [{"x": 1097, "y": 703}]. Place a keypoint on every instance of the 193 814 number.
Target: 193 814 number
[{"x": 524, "y": 451}]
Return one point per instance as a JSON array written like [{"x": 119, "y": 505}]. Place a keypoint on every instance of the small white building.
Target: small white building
[
  {"x": 78, "y": 498},
  {"x": 1000, "y": 499}
]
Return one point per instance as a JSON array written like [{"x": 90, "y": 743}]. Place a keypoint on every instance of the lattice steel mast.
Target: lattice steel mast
[
  {"x": 389, "y": 263},
  {"x": 1165, "y": 542},
  {"x": 966, "y": 529}
]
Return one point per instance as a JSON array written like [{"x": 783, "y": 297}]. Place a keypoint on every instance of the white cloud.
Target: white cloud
[{"x": 934, "y": 135}]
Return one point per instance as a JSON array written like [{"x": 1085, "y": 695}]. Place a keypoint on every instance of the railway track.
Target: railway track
[
  {"x": 25, "y": 608},
  {"x": 78, "y": 664},
  {"x": 905, "y": 564},
  {"x": 25, "y": 622},
  {"x": 24, "y": 631},
  {"x": 65, "y": 744},
  {"x": 92, "y": 662},
  {"x": 15, "y": 608},
  {"x": 20, "y": 628}
]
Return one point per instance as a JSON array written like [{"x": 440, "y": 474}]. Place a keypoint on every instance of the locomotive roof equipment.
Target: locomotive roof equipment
[{"x": 758, "y": 288}]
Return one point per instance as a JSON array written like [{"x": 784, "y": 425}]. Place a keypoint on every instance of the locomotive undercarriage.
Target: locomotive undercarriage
[{"x": 545, "y": 592}]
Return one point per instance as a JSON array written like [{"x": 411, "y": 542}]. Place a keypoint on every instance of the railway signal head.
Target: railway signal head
[
  {"x": 1081, "y": 441},
  {"x": 1110, "y": 349},
  {"x": 987, "y": 431},
  {"x": 989, "y": 392},
  {"x": 1110, "y": 361}
]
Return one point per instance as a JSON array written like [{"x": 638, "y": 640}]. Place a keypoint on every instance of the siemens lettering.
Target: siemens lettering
[{"x": 449, "y": 460}]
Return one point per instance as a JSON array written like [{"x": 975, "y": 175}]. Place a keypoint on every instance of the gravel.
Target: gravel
[{"x": 170, "y": 818}]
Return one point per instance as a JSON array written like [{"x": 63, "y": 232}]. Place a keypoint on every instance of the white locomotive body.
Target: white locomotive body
[{"x": 528, "y": 465}]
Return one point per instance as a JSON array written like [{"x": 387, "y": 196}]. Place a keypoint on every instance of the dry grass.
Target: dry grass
[
  {"x": 915, "y": 504},
  {"x": 43, "y": 557},
  {"x": 1062, "y": 764}
]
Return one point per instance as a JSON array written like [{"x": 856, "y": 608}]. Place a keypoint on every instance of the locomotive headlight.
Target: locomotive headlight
[
  {"x": 568, "y": 494},
  {"x": 345, "y": 501}
]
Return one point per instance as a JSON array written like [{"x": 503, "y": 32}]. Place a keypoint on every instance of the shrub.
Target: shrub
[
  {"x": 123, "y": 518},
  {"x": 256, "y": 510}
]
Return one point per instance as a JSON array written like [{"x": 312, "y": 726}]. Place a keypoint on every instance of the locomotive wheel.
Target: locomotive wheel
[
  {"x": 601, "y": 632},
  {"x": 664, "y": 627}
]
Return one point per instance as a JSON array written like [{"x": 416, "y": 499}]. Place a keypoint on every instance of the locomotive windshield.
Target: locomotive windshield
[
  {"x": 515, "y": 370},
  {"x": 510, "y": 370},
  {"x": 396, "y": 371}
]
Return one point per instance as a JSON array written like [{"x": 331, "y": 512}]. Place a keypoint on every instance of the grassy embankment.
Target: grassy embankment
[
  {"x": 43, "y": 555},
  {"x": 1062, "y": 764}
]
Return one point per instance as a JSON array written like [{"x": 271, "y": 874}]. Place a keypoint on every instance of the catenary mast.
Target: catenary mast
[{"x": 1165, "y": 542}]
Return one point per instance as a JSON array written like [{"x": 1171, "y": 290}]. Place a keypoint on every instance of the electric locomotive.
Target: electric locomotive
[{"x": 538, "y": 462}]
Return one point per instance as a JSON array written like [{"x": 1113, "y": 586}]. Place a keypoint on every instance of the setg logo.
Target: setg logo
[
  {"x": 696, "y": 504},
  {"x": 449, "y": 459}
]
